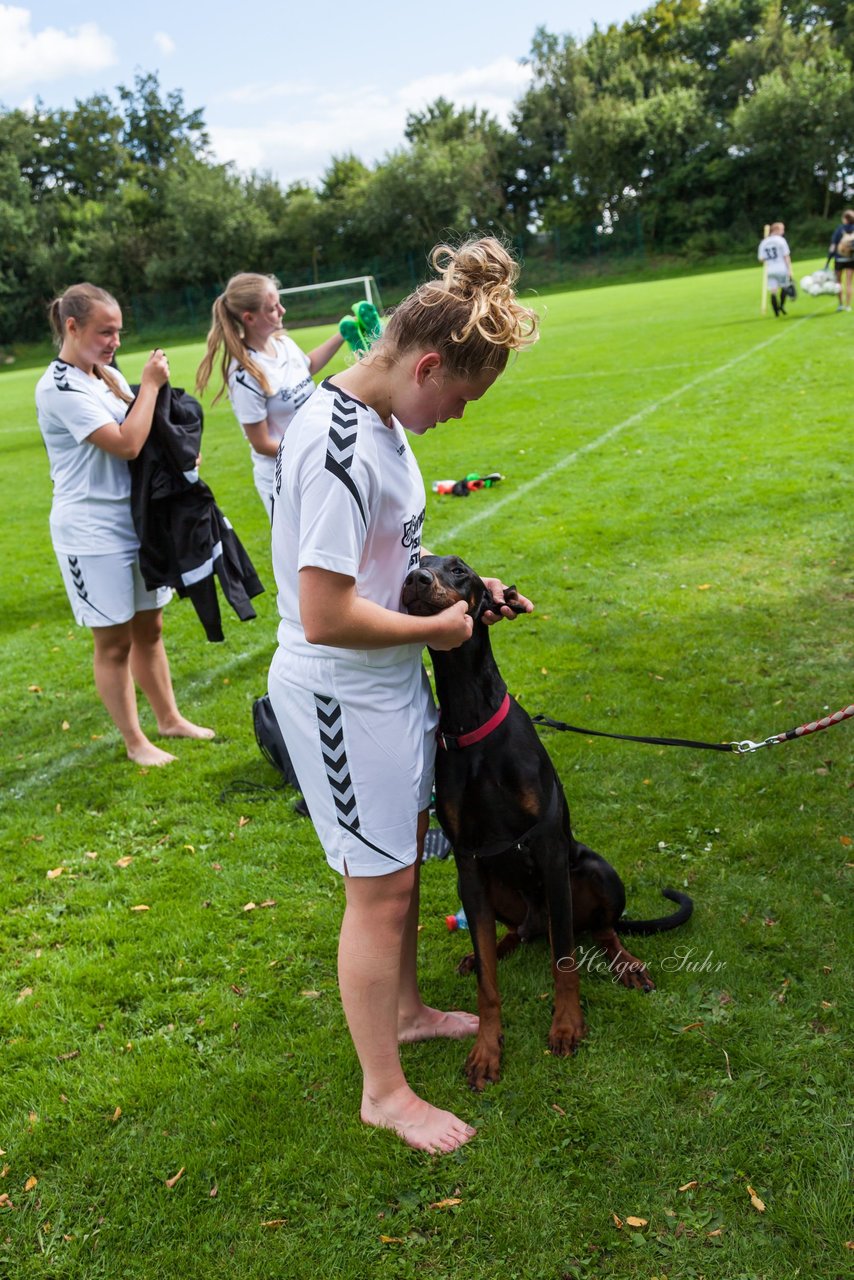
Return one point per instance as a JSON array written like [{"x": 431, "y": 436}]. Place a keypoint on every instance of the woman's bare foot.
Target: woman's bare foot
[
  {"x": 429, "y": 1024},
  {"x": 421, "y": 1125},
  {"x": 147, "y": 754},
  {"x": 181, "y": 728}
]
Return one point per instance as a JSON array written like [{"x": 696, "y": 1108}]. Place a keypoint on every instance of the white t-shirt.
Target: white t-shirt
[
  {"x": 290, "y": 386},
  {"x": 774, "y": 250},
  {"x": 91, "y": 513},
  {"x": 349, "y": 498}
]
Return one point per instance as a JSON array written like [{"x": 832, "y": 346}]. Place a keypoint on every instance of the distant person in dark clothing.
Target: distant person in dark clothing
[{"x": 841, "y": 249}]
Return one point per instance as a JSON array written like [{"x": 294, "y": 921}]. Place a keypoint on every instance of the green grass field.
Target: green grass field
[{"x": 677, "y": 471}]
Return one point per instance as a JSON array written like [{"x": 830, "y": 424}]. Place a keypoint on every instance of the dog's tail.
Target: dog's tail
[{"x": 686, "y": 907}]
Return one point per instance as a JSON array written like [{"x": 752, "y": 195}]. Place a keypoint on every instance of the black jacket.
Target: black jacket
[{"x": 185, "y": 540}]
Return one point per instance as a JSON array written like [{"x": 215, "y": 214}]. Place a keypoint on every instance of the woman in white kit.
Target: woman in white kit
[
  {"x": 92, "y": 427},
  {"x": 267, "y": 375},
  {"x": 347, "y": 684}
]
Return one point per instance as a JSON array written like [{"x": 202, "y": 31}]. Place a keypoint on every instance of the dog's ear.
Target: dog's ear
[
  {"x": 511, "y": 599},
  {"x": 484, "y": 604}
]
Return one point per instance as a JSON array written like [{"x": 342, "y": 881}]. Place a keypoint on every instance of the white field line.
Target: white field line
[
  {"x": 487, "y": 512},
  {"x": 71, "y": 759}
]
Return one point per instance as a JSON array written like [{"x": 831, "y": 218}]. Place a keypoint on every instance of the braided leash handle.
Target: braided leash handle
[{"x": 814, "y": 725}]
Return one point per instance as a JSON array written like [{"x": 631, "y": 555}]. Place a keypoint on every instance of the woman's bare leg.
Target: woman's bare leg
[
  {"x": 369, "y": 956},
  {"x": 114, "y": 682},
  {"x": 416, "y": 1020},
  {"x": 150, "y": 669}
]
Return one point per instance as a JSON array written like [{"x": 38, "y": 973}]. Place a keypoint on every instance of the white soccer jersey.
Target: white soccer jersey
[
  {"x": 773, "y": 251},
  {"x": 290, "y": 386},
  {"x": 91, "y": 513},
  {"x": 349, "y": 498}
]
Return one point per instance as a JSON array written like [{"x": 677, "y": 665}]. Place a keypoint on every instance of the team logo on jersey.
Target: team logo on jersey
[{"x": 412, "y": 530}]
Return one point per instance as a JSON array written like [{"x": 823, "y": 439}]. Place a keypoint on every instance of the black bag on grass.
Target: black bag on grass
[{"x": 268, "y": 735}]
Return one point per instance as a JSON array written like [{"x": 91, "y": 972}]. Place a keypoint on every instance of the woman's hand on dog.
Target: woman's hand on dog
[
  {"x": 450, "y": 628},
  {"x": 503, "y": 596}
]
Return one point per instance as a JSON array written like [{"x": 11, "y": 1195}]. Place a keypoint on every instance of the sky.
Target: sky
[{"x": 284, "y": 87}]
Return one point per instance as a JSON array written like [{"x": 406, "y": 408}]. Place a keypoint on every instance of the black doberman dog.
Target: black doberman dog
[{"x": 501, "y": 805}]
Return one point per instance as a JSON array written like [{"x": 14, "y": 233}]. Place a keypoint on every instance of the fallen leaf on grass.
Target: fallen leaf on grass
[
  {"x": 704, "y": 587},
  {"x": 268, "y": 902},
  {"x": 66, "y": 1057},
  {"x": 250, "y": 906},
  {"x": 116, "y": 1115},
  {"x": 718, "y": 1231},
  {"x": 558, "y": 1109},
  {"x": 275, "y": 1223},
  {"x": 846, "y": 840},
  {"x": 392, "y": 1240},
  {"x": 213, "y": 1193},
  {"x": 243, "y": 822},
  {"x": 618, "y": 1222},
  {"x": 190, "y": 848},
  {"x": 90, "y": 853},
  {"x": 446, "y": 1204},
  {"x": 125, "y": 861},
  {"x": 170, "y": 1182},
  {"x": 637, "y": 1222},
  {"x": 759, "y": 1205},
  {"x": 34, "y": 688},
  {"x": 66, "y": 725},
  {"x": 31, "y": 1184},
  {"x": 311, "y": 995},
  {"x": 141, "y": 907},
  {"x": 23, "y": 993},
  {"x": 5, "y": 1202},
  {"x": 689, "y": 1186},
  {"x": 55, "y": 873}
]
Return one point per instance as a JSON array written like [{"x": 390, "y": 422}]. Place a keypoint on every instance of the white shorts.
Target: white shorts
[
  {"x": 776, "y": 280},
  {"x": 105, "y": 591},
  {"x": 363, "y": 744}
]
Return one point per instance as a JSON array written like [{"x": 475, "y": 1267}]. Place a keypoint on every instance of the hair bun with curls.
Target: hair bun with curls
[{"x": 470, "y": 315}]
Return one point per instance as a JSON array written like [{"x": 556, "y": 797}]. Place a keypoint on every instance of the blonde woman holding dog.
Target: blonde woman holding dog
[
  {"x": 92, "y": 426},
  {"x": 347, "y": 682},
  {"x": 267, "y": 375}
]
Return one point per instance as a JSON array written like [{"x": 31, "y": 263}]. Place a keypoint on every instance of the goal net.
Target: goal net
[{"x": 328, "y": 301}]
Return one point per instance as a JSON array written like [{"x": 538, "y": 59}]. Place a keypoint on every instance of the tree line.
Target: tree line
[{"x": 684, "y": 129}]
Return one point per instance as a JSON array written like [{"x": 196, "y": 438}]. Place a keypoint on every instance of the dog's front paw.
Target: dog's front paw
[
  {"x": 483, "y": 1065},
  {"x": 466, "y": 965},
  {"x": 565, "y": 1039}
]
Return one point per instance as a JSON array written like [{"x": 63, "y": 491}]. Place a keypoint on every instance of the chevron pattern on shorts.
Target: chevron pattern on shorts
[
  {"x": 335, "y": 759},
  {"x": 341, "y": 446},
  {"x": 77, "y": 578},
  {"x": 331, "y": 728}
]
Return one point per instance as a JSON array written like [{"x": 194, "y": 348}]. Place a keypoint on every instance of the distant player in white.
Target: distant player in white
[
  {"x": 267, "y": 375},
  {"x": 347, "y": 683},
  {"x": 774, "y": 252},
  {"x": 92, "y": 426}
]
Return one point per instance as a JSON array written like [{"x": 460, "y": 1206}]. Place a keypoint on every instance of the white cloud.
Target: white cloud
[
  {"x": 29, "y": 58},
  {"x": 164, "y": 43},
  {"x": 310, "y": 127}
]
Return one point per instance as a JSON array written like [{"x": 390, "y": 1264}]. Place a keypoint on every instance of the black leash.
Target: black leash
[{"x": 740, "y": 748}]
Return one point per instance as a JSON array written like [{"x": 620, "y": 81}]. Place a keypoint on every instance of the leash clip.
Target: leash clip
[{"x": 746, "y": 747}]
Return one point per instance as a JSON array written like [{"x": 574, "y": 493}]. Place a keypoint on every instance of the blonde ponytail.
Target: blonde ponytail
[{"x": 244, "y": 292}]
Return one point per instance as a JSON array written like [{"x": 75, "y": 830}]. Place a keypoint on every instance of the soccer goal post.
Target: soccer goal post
[{"x": 326, "y": 301}]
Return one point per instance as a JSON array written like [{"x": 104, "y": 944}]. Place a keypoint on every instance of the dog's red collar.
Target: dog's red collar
[{"x": 451, "y": 743}]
